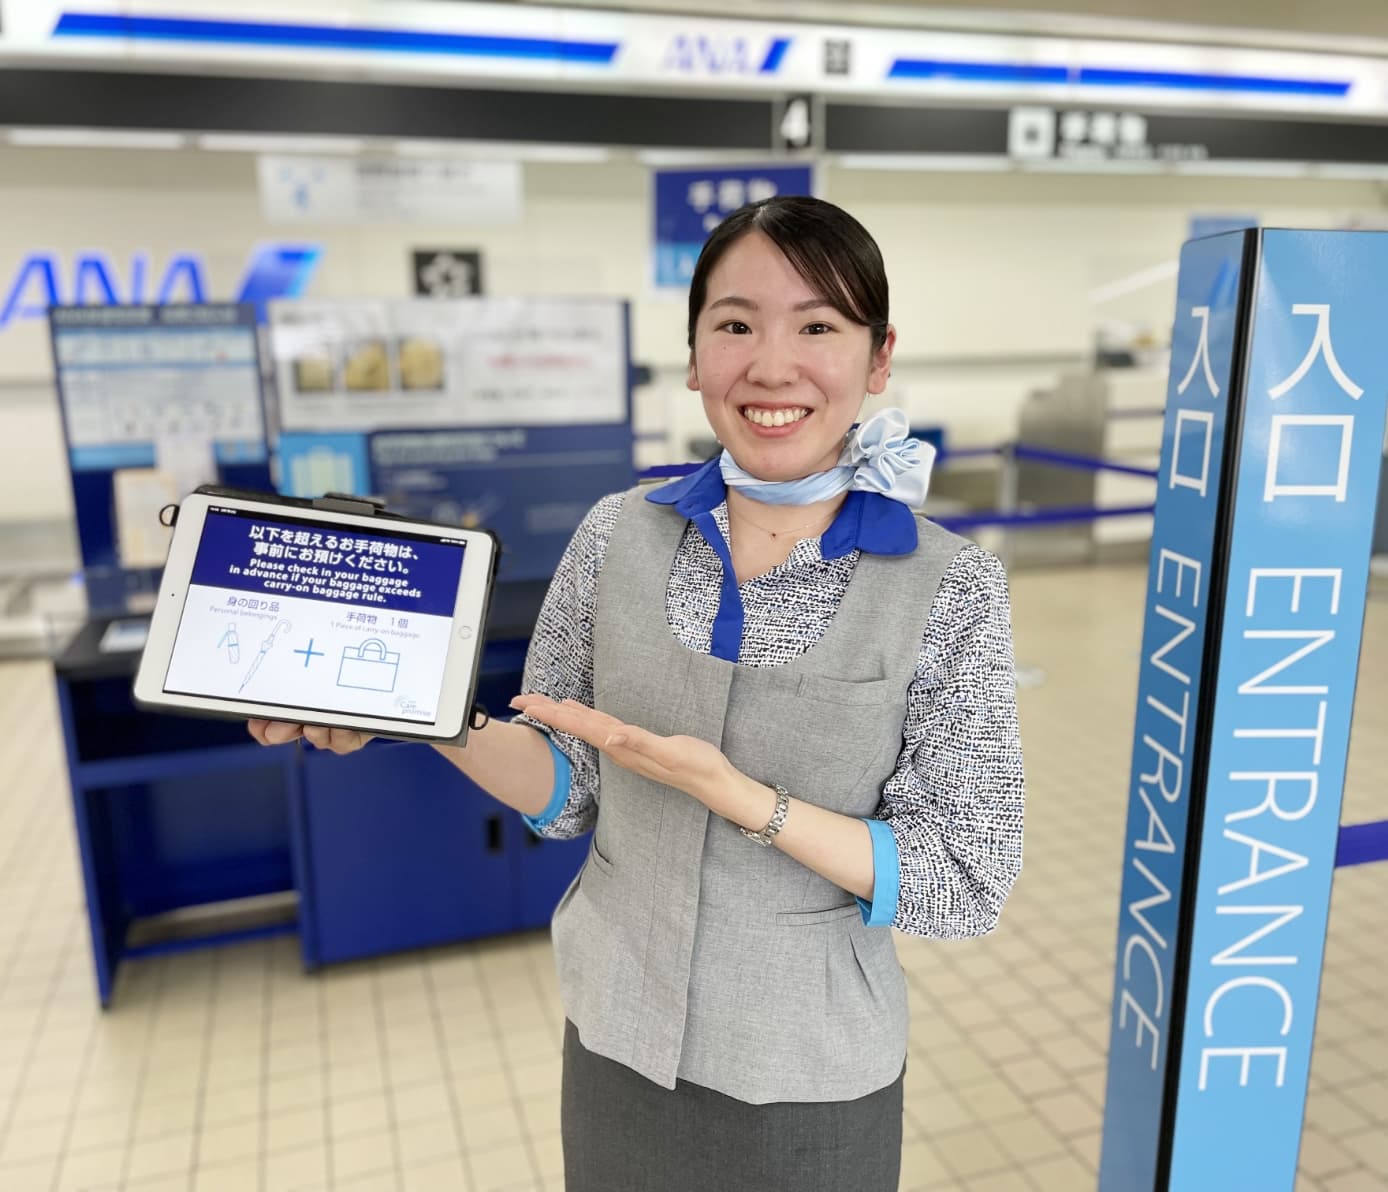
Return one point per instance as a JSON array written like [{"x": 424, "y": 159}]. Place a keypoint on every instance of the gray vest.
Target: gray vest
[{"x": 685, "y": 950}]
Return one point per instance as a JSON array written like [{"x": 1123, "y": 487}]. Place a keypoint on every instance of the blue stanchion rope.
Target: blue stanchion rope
[
  {"x": 1359, "y": 844},
  {"x": 1086, "y": 463}
]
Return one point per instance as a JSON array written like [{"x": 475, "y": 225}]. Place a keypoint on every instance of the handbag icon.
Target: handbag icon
[{"x": 369, "y": 666}]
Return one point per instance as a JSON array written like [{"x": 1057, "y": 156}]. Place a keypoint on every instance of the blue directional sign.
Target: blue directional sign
[{"x": 689, "y": 204}]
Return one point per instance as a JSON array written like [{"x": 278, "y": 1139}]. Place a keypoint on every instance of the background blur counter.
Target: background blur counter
[{"x": 190, "y": 834}]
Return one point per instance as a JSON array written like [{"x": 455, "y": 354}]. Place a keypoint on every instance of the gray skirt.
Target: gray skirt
[{"x": 623, "y": 1133}]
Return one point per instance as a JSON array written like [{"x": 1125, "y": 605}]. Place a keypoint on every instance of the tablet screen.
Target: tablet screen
[{"x": 297, "y": 613}]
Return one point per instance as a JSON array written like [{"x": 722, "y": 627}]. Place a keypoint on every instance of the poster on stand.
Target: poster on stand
[
  {"x": 155, "y": 400},
  {"x": 411, "y": 363},
  {"x": 509, "y": 414},
  {"x": 130, "y": 377}
]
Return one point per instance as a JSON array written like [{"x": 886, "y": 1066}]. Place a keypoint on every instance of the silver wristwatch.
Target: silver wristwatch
[{"x": 778, "y": 817}]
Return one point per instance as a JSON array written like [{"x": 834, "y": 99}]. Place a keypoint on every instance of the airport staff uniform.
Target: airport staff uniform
[{"x": 735, "y": 1020}]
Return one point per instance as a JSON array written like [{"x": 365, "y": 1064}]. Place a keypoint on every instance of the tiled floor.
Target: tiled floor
[{"x": 231, "y": 1070}]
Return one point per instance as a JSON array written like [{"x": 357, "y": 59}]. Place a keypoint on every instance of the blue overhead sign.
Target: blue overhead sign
[
  {"x": 689, "y": 204},
  {"x": 1016, "y": 73},
  {"x": 304, "y": 35},
  {"x": 540, "y": 41},
  {"x": 728, "y": 56}
]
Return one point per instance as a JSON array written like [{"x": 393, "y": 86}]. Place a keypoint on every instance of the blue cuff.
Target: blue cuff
[
  {"x": 886, "y": 880},
  {"x": 563, "y": 780}
]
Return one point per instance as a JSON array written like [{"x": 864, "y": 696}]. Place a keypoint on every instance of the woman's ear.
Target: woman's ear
[
  {"x": 691, "y": 378},
  {"x": 880, "y": 367}
]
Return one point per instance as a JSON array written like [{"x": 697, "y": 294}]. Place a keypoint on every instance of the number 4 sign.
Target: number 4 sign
[{"x": 796, "y": 125}]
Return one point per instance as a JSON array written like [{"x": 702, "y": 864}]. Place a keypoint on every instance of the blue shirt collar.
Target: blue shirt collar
[{"x": 866, "y": 521}]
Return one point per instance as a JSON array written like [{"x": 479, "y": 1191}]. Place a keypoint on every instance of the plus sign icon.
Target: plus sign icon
[{"x": 447, "y": 272}]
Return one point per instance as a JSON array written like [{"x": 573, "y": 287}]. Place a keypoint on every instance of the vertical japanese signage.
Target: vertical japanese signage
[
  {"x": 1220, "y": 1000},
  {"x": 1294, "y": 609},
  {"x": 1200, "y": 390},
  {"x": 689, "y": 204}
]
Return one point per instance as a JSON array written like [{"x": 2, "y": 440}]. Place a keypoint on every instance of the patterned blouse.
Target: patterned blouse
[{"x": 952, "y": 810}]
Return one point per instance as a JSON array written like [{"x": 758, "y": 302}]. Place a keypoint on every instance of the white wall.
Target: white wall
[{"x": 984, "y": 267}]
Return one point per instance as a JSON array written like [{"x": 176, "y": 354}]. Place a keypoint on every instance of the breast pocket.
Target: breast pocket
[
  {"x": 836, "y": 741},
  {"x": 868, "y": 693}
]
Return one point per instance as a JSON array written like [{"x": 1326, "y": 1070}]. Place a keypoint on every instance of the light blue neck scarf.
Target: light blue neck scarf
[{"x": 878, "y": 457}]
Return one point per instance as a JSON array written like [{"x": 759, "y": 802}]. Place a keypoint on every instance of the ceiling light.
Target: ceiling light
[
  {"x": 505, "y": 151},
  {"x": 962, "y": 163},
  {"x": 271, "y": 143},
  {"x": 94, "y": 138},
  {"x": 1246, "y": 168},
  {"x": 1097, "y": 165},
  {"x": 700, "y": 158},
  {"x": 1351, "y": 171}
]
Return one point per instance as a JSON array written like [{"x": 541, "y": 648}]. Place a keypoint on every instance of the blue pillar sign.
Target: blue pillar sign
[
  {"x": 1303, "y": 515},
  {"x": 1264, "y": 519},
  {"x": 1204, "y": 342}
]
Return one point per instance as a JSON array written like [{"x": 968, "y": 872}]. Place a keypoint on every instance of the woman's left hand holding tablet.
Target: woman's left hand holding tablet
[
  {"x": 686, "y": 763},
  {"x": 335, "y": 740}
]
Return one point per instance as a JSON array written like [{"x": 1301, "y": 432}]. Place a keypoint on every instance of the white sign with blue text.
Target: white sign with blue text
[
  {"x": 359, "y": 190},
  {"x": 394, "y": 39}
]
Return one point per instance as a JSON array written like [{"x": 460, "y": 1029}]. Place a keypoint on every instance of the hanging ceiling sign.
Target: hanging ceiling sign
[
  {"x": 1097, "y": 137},
  {"x": 295, "y": 189},
  {"x": 533, "y": 43}
]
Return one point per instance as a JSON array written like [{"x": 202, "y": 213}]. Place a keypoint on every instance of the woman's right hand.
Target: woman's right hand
[{"x": 335, "y": 740}]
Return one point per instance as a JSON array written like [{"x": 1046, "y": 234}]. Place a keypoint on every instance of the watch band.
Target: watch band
[{"x": 778, "y": 818}]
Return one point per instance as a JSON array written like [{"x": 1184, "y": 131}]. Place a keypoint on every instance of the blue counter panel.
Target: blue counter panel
[
  {"x": 544, "y": 869},
  {"x": 184, "y": 842},
  {"x": 405, "y": 853}
]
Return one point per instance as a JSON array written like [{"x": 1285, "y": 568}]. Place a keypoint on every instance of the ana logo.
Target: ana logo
[
  {"x": 700, "y": 54},
  {"x": 273, "y": 271}
]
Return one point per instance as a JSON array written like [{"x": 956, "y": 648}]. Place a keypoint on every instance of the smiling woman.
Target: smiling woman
[
  {"x": 774, "y": 651},
  {"x": 787, "y": 331}
]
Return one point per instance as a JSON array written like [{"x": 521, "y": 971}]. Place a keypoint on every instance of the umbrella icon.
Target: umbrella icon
[{"x": 265, "y": 647}]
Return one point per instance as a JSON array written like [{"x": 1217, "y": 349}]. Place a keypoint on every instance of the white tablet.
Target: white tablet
[{"x": 277, "y": 608}]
